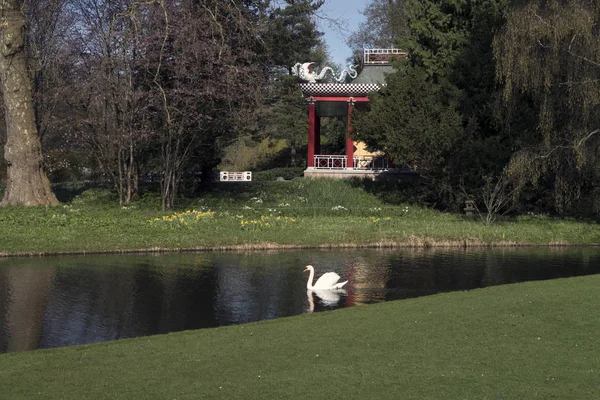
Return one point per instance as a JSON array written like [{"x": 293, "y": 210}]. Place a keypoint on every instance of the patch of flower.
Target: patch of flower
[
  {"x": 378, "y": 219},
  {"x": 339, "y": 208},
  {"x": 266, "y": 222},
  {"x": 186, "y": 218},
  {"x": 59, "y": 219}
]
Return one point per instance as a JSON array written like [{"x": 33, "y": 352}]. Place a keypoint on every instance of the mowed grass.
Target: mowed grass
[
  {"x": 534, "y": 340},
  {"x": 269, "y": 214}
]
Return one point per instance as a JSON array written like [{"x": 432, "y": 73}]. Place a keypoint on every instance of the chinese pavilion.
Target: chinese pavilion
[{"x": 338, "y": 100}]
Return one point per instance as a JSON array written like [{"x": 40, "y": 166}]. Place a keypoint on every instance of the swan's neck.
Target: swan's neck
[{"x": 311, "y": 275}]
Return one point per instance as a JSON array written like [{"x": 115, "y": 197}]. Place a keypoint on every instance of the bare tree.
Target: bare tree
[
  {"x": 498, "y": 196},
  {"x": 202, "y": 72},
  {"x": 106, "y": 44},
  {"x": 385, "y": 22},
  {"x": 50, "y": 24}
]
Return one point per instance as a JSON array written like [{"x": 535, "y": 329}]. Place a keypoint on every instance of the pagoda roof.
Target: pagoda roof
[
  {"x": 374, "y": 74},
  {"x": 370, "y": 79},
  {"x": 338, "y": 89},
  {"x": 377, "y": 64}
]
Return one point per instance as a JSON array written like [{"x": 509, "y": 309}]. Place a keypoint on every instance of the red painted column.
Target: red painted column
[
  {"x": 349, "y": 142},
  {"x": 317, "y": 135},
  {"x": 311, "y": 133}
]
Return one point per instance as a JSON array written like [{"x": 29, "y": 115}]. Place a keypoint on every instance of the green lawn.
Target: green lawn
[
  {"x": 535, "y": 340},
  {"x": 261, "y": 215}
]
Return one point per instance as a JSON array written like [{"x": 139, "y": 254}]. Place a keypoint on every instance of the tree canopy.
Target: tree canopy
[
  {"x": 522, "y": 79},
  {"x": 494, "y": 92},
  {"x": 436, "y": 113},
  {"x": 548, "y": 54}
]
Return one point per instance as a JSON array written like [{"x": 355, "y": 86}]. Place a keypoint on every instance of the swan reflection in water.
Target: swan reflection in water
[{"x": 327, "y": 297}]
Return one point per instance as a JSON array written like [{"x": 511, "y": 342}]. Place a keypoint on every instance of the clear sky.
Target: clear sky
[{"x": 348, "y": 13}]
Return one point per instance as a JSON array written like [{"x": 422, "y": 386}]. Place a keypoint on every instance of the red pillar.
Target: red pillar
[
  {"x": 311, "y": 133},
  {"x": 317, "y": 134},
  {"x": 349, "y": 142}
]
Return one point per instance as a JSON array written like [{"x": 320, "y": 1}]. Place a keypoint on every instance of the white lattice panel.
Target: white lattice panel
[{"x": 227, "y": 176}]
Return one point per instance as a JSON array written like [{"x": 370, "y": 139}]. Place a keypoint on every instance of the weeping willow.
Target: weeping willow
[{"x": 548, "y": 56}]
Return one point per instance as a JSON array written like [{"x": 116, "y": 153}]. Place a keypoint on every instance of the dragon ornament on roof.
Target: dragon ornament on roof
[{"x": 305, "y": 72}]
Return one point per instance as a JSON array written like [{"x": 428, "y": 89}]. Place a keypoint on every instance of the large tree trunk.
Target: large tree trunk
[{"x": 27, "y": 182}]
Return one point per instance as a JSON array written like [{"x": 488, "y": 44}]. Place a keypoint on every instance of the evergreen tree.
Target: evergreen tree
[
  {"x": 292, "y": 37},
  {"x": 443, "y": 98}
]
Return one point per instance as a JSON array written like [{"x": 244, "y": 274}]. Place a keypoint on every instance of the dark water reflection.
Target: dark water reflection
[{"x": 62, "y": 301}]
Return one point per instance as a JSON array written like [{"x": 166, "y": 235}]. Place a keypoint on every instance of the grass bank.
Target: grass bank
[
  {"x": 258, "y": 215},
  {"x": 534, "y": 340}
]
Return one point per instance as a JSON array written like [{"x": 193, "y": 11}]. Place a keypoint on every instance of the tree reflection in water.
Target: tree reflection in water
[{"x": 62, "y": 301}]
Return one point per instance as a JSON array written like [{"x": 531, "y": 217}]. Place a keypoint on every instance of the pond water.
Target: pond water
[{"x": 63, "y": 301}]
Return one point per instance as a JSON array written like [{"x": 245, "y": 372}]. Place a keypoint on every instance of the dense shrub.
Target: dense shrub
[{"x": 273, "y": 174}]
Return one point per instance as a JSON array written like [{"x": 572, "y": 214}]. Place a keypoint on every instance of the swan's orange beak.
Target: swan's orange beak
[{"x": 305, "y": 269}]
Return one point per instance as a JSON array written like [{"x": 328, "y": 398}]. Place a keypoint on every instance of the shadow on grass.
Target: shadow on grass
[
  {"x": 394, "y": 192},
  {"x": 67, "y": 191}
]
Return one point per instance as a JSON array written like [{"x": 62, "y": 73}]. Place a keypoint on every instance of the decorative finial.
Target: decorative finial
[{"x": 304, "y": 72}]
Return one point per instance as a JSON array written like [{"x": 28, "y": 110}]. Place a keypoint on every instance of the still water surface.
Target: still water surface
[{"x": 63, "y": 301}]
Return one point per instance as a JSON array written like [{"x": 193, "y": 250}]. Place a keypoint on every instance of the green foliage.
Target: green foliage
[
  {"x": 97, "y": 197},
  {"x": 299, "y": 197},
  {"x": 291, "y": 36},
  {"x": 292, "y": 32},
  {"x": 487, "y": 82},
  {"x": 547, "y": 56},
  {"x": 267, "y": 222},
  {"x": 326, "y": 211},
  {"x": 439, "y": 32},
  {"x": 436, "y": 115},
  {"x": 247, "y": 154},
  {"x": 182, "y": 219},
  {"x": 283, "y": 117},
  {"x": 273, "y": 174},
  {"x": 415, "y": 121}
]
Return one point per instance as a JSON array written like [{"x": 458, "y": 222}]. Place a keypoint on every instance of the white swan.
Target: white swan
[{"x": 328, "y": 280}]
